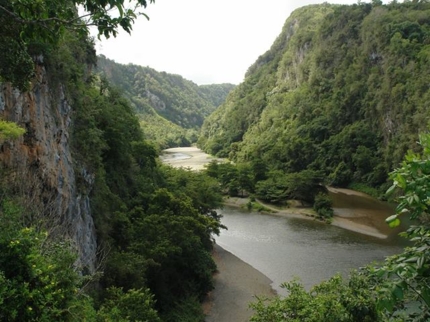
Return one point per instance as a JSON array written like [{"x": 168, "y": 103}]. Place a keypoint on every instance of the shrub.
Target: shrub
[
  {"x": 10, "y": 130},
  {"x": 37, "y": 276},
  {"x": 133, "y": 305},
  {"x": 323, "y": 205}
]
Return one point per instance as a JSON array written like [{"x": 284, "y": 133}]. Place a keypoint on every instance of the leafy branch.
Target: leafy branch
[{"x": 53, "y": 15}]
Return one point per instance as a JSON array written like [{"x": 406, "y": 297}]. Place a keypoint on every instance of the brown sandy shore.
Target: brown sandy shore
[
  {"x": 308, "y": 213},
  {"x": 197, "y": 159},
  {"x": 237, "y": 283}
]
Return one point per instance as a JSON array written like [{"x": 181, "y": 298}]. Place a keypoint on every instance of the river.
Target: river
[{"x": 283, "y": 248}]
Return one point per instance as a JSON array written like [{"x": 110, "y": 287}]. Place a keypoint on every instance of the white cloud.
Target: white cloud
[{"x": 206, "y": 41}]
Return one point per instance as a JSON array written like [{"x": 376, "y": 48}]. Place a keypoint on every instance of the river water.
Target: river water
[{"x": 283, "y": 248}]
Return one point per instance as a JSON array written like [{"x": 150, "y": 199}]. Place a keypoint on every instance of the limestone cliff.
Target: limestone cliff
[{"x": 44, "y": 161}]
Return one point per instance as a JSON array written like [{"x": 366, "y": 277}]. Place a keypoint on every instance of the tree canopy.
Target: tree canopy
[
  {"x": 342, "y": 90},
  {"x": 171, "y": 109},
  {"x": 31, "y": 28},
  {"x": 153, "y": 224},
  {"x": 47, "y": 19}
]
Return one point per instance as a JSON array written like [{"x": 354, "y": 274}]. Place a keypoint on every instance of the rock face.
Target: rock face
[{"x": 43, "y": 160}]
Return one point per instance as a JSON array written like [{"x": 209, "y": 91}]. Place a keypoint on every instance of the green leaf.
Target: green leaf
[
  {"x": 412, "y": 259},
  {"x": 120, "y": 9},
  {"x": 395, "y": 223},
  {"x": 401, "y": 181},
  {"x": 390, "y": 219},
  {"x": 420, "y": 262},
  {"x": 386, "y": 304},
  {"x": 398, "y": 292},
  {"x": 425, "y": 294},
  {"x": 391, "y": 189}
]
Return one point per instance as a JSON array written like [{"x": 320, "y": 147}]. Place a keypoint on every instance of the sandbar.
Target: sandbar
[{"x": 236, "y": 285}]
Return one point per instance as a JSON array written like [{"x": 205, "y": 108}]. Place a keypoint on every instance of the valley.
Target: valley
[{"x": 131, "y": 194}]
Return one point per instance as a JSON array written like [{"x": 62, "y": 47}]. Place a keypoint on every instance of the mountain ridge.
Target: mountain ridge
[
  {"x": 341, "y": 90},
  {"x": 164, "y": 101}
]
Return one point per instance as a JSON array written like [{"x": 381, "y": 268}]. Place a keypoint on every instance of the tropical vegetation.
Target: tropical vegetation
[
  {"x": 338, "y": 99},
  {"x": 154, "y": 224},
  {"x": 171, "y": 109},
  {"x": 342, "y": 91},
  {"x": 396, "y": 290}
]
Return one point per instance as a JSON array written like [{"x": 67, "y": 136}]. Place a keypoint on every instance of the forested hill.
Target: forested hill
[
  {"x": 167, "y": 104},
  {"x": 92, "y": 226},
  {"x": 343, "y": 89}
]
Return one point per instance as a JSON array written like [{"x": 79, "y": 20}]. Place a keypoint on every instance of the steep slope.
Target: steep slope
[
  {"x": 182, "y": 104},
  {"x": 87, "y": 213},
  {"x": 343, "y": 89},
  {"x": 41, "y": 161}
]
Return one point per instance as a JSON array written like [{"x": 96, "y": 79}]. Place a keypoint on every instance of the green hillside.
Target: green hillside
[
  {"x": 92, "y": 227},
  {"x": 343, "y": 90},
  {"x": 171, "y": 108}
]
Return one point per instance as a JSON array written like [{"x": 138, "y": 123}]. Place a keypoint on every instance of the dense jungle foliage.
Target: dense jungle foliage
[
  {"x": 254, "y": 180},
  {"x": 171, "y": 108},
  {"x": 341, "y": 95},
  {"x": 343, "y": 90},
  {"x": 154, "y": 224},
  {"x": 396, "y": 290}
]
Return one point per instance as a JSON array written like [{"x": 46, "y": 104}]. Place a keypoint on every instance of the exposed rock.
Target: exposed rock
[
  {"x": 44, "y": 153},
  {"x": 156, "y": 102}
]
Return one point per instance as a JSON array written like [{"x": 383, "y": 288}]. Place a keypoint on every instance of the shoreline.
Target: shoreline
[
  {"x": 236, "y": 285},
  {"x": 308, "y": 214},
  {"x": 196, "y": 159}
]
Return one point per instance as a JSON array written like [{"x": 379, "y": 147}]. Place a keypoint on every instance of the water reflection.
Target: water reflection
[
  {"x": 284, "y": 248},
  {"x": 363, "y": 209}
]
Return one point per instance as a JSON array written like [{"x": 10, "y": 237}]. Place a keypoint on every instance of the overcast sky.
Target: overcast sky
[{"x": 205, "y": 41}]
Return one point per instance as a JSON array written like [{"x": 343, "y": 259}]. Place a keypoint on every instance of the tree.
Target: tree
[
  {"x": 279, "y": 187},
  {"x": 403, "y": 281},
  {"x": 332, "y": 300},
  {"x": 133, "y": 305},
  {"x": 396, "y": 290},
  {"x": 38, "y": 277},
  {"x": 48, "y": 18},
  {"x": 323, "y": 205},
  {"x": 413, "y": 178},
  {"x": 31, "y": 28}
]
